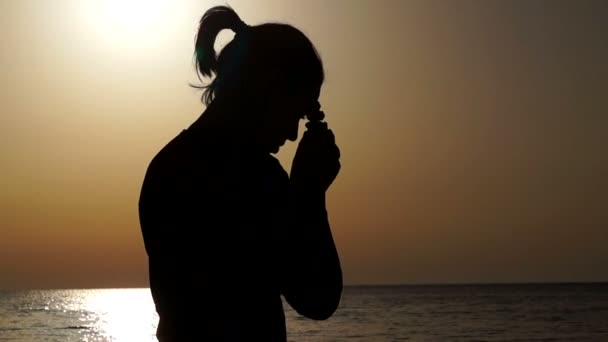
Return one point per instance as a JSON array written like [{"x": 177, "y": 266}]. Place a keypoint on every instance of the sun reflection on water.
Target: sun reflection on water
[{"x": 119, "y": 315}]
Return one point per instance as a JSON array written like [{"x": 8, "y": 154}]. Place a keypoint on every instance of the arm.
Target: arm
[{"x": 313, "y": 276}]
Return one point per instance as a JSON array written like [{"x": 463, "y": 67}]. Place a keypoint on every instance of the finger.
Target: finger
[
  {"x": 321, "y": 115},
  {"x": 336, "y": 151},
  {"x": 316, "y": 116},
  {"x": 322, "y": 134},
  {"x": 329, "y": 135},
  {"x": 317, "y": 126}
]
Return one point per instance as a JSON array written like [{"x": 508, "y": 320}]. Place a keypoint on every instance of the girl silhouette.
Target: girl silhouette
[{"x": 227, "y": 231}]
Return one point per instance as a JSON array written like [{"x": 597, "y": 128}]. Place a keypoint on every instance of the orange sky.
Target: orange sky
[{"x": 473, "y": 134}]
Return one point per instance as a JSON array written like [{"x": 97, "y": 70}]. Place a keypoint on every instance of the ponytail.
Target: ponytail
[{"x": 213, "y": 21}]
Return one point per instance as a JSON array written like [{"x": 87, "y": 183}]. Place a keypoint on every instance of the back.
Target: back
[{"x": 209, "y": 219}]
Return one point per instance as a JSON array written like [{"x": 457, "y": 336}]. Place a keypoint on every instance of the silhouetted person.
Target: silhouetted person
[{"x": 226, "y": 229}]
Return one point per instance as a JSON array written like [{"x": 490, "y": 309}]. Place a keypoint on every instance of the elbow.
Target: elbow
[
  {"x": 322, "y": 312},
  {"x": 319, "y": 305},
  {"x": 315, "y": 297}
]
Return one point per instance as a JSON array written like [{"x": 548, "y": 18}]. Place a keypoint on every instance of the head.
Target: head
[{"x": 272, "y": 71}]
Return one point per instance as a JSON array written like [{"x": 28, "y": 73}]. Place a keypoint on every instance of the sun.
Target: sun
[
  {"x": 129, "y": 23},
  {"x": 133, "y": 15}
]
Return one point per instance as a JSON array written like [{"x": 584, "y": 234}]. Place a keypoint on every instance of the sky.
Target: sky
[{"x": 473, "y": 134}]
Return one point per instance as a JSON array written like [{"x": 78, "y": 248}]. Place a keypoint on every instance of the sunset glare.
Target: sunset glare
[{"x": 129, "y": 22}]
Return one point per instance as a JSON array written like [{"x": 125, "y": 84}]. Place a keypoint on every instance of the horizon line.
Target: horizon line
[{"x": 599, "y": 282}]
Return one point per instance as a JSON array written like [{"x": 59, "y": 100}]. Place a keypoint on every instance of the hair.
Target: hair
[{"x": 256, "y": 55}]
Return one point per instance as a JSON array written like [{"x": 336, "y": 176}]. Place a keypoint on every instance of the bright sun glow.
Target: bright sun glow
[{"x": 130, "y": 23}]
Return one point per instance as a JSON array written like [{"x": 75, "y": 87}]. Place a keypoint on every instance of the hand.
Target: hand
[{"x": 317, "y": 160}]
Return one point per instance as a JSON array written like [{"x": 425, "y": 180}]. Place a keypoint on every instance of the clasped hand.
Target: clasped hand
[{"x": 317, "y": 160}]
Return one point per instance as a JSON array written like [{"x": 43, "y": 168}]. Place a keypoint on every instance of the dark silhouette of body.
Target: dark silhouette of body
[{"x": 226, "y": 229}]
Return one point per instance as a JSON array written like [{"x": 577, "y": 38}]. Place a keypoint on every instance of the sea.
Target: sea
[{"x": 514, "y": 312}]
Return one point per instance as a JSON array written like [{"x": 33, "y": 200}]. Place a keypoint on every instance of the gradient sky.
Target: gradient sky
[{"x": 473, "y": 134}]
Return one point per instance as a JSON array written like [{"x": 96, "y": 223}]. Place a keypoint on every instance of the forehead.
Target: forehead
[
  {"x": 300, "y": 95},
  {"x": 307, "y": 94},
  {"x": 308, "y": 103}
]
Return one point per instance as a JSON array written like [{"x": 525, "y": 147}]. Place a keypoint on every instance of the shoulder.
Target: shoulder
[
  {"x": 183, "y": 151},
  {"x": 167, "y": 161}
]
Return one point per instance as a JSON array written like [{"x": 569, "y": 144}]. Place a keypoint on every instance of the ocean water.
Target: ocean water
[{"x": 534, "y": 312}]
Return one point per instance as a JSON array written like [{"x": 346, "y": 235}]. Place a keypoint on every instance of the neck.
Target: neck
[{"x": 228, "y": 121}]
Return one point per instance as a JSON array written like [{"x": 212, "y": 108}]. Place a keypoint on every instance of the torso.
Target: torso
[{"x": 207, "y": 217}]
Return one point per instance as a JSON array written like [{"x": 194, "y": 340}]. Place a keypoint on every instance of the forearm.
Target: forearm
[
  {"x": 314, "y": 239},
  {"x": 313, "y": 282}
]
